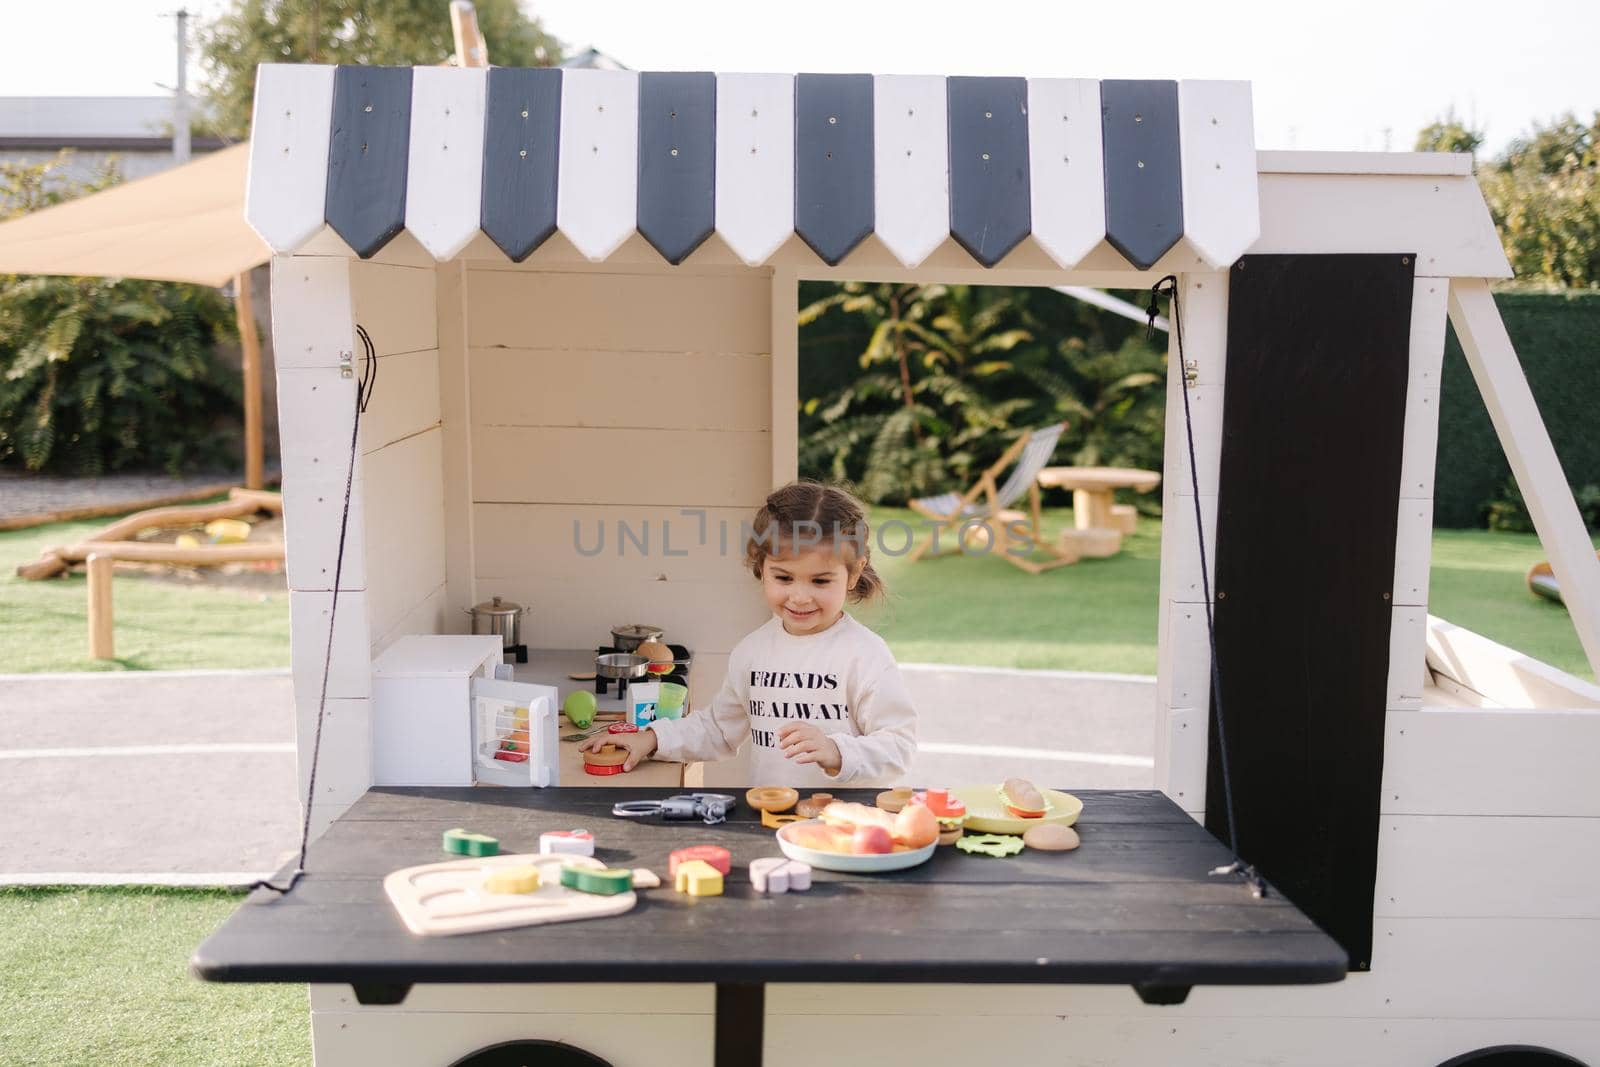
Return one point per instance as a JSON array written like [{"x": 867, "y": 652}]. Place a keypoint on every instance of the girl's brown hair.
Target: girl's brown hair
[{"x": 813, "y": 513}]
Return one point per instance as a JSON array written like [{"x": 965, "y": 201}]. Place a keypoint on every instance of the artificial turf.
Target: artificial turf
[{"x": 100, "y": 976}]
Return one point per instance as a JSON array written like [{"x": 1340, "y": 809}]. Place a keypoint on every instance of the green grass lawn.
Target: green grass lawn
[
  {"x": 160, "y": 624},
  {"x": 1099, "y": 615},
  {"x": 100, "y": 976}
]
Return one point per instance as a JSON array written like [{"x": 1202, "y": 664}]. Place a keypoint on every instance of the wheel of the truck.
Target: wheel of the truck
[
  {"x": 1513, "y": 1056},
  {"x": 531, "y": 1054}
]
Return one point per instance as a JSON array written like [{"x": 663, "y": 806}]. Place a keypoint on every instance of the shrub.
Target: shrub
[{"x": 100, "y": 374}]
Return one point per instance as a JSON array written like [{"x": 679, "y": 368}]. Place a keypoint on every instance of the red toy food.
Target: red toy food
[
  {"x": 942, "y": 804},
  {"x": 715, "y": 855},
  {"x": 869, "y": 840}
]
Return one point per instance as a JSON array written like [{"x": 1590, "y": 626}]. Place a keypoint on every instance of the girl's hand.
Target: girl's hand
[
  {"x": 639, "y": 745},
  {"x": 804, "y": 743}
]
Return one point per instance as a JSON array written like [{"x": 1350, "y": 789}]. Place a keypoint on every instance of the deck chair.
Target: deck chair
[{"x": 986, "y": 501}]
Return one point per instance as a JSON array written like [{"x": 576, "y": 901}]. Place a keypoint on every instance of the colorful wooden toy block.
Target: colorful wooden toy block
[
  {"x": 698, "y": 879},
  {"x": 512, "y": 880},
  {"x": 712, "y": 855},
  {"x": 605, "y": 883},
  {"x": 566, "y": 843},
  {"x": 775, "y": 874},
  {"x": 645, "y": 878},
  {"x": 466, "y": 843}
]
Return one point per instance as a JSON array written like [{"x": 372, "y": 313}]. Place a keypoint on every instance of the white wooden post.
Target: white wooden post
[{"x": 1533, "y": 458}]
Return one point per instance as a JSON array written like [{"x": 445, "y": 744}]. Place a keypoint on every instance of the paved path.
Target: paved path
[
  {"x": 188, "y": 777},
  {"x": 142, "y": 776}
]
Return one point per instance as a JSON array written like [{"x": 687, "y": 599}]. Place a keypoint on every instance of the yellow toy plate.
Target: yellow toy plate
[{"x": 986, "y": 812}]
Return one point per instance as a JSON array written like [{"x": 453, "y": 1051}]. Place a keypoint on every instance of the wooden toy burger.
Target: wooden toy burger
[{"x": 608, "y": 759}]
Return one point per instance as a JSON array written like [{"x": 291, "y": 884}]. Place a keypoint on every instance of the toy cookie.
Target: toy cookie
[
  {"x": 893, "y": 800},
  {"x": 772, "y": 798},
  {"x": 991, "y": 844}
]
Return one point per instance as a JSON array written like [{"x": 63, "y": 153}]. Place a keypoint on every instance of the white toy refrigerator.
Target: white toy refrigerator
[{"x": 441, "y": 717}]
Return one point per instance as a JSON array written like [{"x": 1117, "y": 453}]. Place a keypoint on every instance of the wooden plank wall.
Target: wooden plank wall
[
  {"x": 392, "y": 577},
  {"x": 621, "y": 432}
]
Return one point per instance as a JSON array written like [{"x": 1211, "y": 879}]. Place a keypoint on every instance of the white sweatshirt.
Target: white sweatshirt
[{"x": 843, "y": 680}]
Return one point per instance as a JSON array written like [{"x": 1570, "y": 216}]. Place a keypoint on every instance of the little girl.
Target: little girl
[{"x": 818, "y": 694}]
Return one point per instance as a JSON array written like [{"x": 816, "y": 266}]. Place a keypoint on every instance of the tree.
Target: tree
[
  {"x": 1543, "y": 193},
  {"x": 379, "y": 32}
]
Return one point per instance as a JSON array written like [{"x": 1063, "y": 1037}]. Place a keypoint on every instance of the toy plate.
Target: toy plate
[
  {"x": 986, "y": 813},
  {"x": 875, "y": 863}
]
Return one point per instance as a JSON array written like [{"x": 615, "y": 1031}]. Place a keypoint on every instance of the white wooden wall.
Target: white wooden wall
[
  {"x": 608, "y": 397},
  {"x": 396, "y": 525}
]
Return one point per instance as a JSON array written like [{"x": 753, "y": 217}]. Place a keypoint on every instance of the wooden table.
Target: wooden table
[
  {"x": 1135, "y": 904},
  {"x": 1092, "y": 489}
]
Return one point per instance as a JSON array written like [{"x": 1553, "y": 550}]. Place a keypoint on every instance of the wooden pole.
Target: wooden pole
[
  {"x": 100, "y": 633},
  {"x": 250, "y": 348},
  {"x": 471, "y": 49}
]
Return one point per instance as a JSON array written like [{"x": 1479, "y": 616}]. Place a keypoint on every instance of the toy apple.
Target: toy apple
[{"x": 871, "y": 840}]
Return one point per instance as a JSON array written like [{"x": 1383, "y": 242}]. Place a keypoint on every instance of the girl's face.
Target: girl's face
[{"x": 807, "y": 589}]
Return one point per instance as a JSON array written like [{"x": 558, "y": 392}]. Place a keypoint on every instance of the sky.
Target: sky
[{"x": 1350, "y": 75}]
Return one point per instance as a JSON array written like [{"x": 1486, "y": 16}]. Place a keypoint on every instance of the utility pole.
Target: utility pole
[{"x": 180, "y": 102}]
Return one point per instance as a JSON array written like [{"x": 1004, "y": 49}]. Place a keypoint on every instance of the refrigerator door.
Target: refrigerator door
[{"x": 514, "y": 735}]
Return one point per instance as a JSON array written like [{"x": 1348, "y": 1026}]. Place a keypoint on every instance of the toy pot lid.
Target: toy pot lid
[{"x": 497, "y": 606}]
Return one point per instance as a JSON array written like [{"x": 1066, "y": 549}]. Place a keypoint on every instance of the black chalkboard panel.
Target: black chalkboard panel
[{"x": 1313, "y": 421}]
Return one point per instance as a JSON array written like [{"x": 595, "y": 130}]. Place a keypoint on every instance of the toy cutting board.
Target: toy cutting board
[
  {"x": 987, "y": 814},
  {"x": 449, "y": 898}
]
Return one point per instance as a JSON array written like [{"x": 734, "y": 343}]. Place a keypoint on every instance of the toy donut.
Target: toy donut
[
  {"x": 812, "y": 806},
  {"x": 772, "y": 798},
  {"x": 607, "y": 760}
]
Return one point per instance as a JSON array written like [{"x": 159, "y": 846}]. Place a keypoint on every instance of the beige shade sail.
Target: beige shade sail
[{"x": 182, "y": 225}]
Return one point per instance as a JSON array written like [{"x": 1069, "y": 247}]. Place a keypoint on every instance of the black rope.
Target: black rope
[
  {"x": 364, "y": 387},
  {"x": 1168, "y": 287}
]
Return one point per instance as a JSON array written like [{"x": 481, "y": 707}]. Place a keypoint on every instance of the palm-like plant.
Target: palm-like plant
[{"x": 904, "y": 427}]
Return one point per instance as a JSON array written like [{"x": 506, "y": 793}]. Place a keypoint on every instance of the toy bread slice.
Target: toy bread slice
[{"x": 1022, "y": 798}]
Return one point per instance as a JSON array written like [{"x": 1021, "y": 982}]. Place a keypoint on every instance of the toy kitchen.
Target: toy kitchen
[{"x": 483, "y": 709}]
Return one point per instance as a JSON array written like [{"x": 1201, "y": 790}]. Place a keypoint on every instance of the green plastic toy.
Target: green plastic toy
[
  {"x": 604, "y": 883},
  {"x": 579, "y": 707},
  {"x": 990, "y": 844},
  {"x": 466, "y": 843}
]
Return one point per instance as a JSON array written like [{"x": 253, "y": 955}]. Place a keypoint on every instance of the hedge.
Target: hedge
[{"x": 1557, "y": 337}]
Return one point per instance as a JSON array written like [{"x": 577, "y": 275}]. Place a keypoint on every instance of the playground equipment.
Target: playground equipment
[
  {"x": 114, "y": 542},
  {"x": 518, "y": 242}
]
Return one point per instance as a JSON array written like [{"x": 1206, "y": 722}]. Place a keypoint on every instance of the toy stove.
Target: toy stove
[{"x": 682, "y": 659}]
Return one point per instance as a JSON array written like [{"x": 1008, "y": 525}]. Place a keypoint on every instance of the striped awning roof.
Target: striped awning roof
[{"x": 519, "y": 153}]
